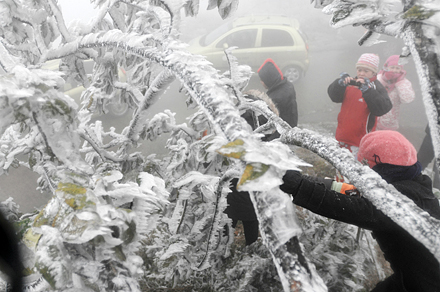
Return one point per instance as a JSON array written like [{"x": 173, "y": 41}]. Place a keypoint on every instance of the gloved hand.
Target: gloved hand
[
  {"x": 292, "y": 179},
  {"x": 344, "y": 188},
  {"x": 366, "y": 85},
  {"x": 342, "y": 78}
]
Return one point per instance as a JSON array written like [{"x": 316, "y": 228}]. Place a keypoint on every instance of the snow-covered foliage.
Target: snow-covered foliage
[
  {"x": 118, "y": 215},
  {"x": 344, "y": 255}
]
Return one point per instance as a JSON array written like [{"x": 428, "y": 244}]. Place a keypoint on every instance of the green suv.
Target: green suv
[{"x": 257, "y": 38}]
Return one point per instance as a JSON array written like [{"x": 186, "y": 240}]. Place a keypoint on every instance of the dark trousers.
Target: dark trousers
[{"x": 250, "y": 230}]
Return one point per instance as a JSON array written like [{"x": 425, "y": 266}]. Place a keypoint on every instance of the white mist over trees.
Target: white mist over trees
[{"x": 119, "y": 216}]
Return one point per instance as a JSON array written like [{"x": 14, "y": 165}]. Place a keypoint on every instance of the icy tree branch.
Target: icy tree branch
[
  {"x": 150, "y": 97},
  {"x": 424, "y": 49}
]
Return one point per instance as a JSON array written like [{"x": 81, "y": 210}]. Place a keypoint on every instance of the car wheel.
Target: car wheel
[
  {"x": 118, "y": 109},
  {"x": 292, "y": 73}
]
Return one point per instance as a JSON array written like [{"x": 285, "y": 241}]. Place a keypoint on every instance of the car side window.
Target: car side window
[
  {"x": 276, "y": 38},
  {"x": 242, "y": 39}
]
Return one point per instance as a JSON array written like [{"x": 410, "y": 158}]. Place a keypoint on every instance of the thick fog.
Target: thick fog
[{"x": 331, "y": 51}]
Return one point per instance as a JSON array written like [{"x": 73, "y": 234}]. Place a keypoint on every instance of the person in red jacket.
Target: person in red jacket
[{"x": 363, "y": 99}]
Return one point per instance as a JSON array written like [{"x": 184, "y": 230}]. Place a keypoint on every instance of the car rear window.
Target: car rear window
[
  {"x": 243, "y": 39},
  {"x": 276, "y": 38},
  {"x": 216, "y": 33}
]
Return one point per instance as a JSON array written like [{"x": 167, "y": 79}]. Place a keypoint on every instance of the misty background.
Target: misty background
[{"x": 331, "y": 51}]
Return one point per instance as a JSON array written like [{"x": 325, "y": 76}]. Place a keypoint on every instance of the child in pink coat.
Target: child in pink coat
[{"x": 399, "y": 90}]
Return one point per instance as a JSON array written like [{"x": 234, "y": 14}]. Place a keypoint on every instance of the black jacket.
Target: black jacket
[
  {"x": 410, "y": 260},
  {"x": 376, "y": 99},
  {"x": 280, "y": 91},
  {"x": 284, "y": 96}
]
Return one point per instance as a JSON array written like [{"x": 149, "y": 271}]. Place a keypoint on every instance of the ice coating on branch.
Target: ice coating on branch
[
  {"x": 269, "y": 165},
  {"x": 7, "y": 61},
  {"x": 374, "y": 39},
  {"x": 32, "y": 94},
  {"x": 193, "y": 179},
  {"x": 173, "y": 249},
  {"x": 430, "y": 106},
  {"x": 346, "y": 13},
  {"x": 239, "y": 74},
  {"x": 278, "y": 211}
]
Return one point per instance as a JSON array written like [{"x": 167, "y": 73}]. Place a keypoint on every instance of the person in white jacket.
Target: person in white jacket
[{"x": 399, "y": 90}]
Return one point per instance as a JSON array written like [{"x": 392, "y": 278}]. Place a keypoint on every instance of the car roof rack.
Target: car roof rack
[{"x": 266, "y": 19}]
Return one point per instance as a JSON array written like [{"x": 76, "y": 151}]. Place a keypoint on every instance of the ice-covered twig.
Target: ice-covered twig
[
  {"x": 56, "y": 12},
  {"x": 150, "y": 97},
  {"x": 240, "y": 75},
  {"x": 217, "y": 213},
  {"x": 7, "y": 61}
]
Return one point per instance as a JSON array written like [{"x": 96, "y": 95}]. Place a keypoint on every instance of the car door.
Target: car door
[
  {"x": 278, "y": 44},
  {"x": 243, "y": 38}
]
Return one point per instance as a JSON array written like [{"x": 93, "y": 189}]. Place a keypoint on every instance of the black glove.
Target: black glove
[
  {"x": 367, "y": 85},
  {"x": 342, "y": 78},
  {"x": 292, "y": 179}
]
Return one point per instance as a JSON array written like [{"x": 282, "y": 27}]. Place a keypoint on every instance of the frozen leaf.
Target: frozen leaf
[
  {"x": 234, "y": 149},
  {"x": 252, "y": 151},
  {"x": 418, "y": 13},
  {"x": 252, "y": 172},
  {"x": 176, "y": 248}
]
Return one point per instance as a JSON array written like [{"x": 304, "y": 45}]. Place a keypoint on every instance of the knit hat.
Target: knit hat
[
  {"x": 392, "y": 61},
  {"x": 369, "y": 61},
  {"x": 387, "y": 147},
  {"x": 392, "y": 77},
  {"x": 269, "y": 73}
]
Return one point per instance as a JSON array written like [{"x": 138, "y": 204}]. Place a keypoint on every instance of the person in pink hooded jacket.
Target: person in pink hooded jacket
[{"x": 399, "y": 90}]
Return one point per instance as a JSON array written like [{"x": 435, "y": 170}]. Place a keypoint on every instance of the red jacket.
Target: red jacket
[{"x": 359, "y": 111}]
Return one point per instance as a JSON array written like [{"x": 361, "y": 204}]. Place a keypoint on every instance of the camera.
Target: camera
[{"x": 355, "y": 83}]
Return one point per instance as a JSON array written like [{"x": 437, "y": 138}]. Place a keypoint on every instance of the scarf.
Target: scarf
[
  {"x": 391, "y": 78},
  {"x": 392, "y": 173}
]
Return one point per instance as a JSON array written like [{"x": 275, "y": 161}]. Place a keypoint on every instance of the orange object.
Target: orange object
[{"x": 346, "y": 187}]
